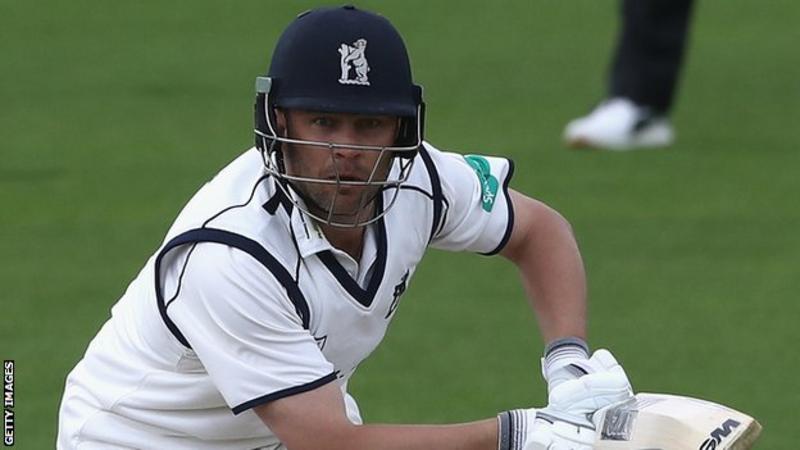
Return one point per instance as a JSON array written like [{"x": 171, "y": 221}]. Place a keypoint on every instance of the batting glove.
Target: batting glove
[
  {"x": 564, "y": 359},
  {"x": 605, "y": 383},
  {"x": 529, "y": 429}
]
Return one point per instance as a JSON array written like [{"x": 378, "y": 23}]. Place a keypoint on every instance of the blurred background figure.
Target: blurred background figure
[{"x": 642, "y": 80}]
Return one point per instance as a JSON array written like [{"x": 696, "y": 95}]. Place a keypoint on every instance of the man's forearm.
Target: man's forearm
[
  {"x": 555, "y": 281},
  {"x": 480, "y": 435},
  {"x": 316, "y": 419},
  {"x": 552, "y": 271}
]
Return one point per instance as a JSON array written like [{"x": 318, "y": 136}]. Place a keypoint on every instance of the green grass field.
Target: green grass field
[{"x": 113, "y": 113}]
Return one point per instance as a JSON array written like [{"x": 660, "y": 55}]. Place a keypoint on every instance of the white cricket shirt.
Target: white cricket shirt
[{"x": 246, "y": 302}]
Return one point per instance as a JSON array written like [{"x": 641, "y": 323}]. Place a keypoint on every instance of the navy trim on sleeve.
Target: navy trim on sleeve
[
  {"x": 283, "y": 393},
  {"x": 180, "y": 277},
  {"x": 242, "y": 243},
  {"x": 510, "y": 224},
  {"x": 436, "y": 190}
]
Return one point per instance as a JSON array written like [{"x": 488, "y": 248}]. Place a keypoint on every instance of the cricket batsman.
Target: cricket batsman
[{"x": 282, "y": 273}]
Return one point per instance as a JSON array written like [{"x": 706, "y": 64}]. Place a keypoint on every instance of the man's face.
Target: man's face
[{"x": 343, "y": 164}]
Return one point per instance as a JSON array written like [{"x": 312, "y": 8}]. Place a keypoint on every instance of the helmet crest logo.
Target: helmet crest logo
[{"x": 354, "y": 59}]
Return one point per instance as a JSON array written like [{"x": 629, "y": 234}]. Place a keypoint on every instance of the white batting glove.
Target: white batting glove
[
  {"x": 604, "y": 384},
  {"x": 564, "y": 359},
  {"x": 529, "y": 429}
]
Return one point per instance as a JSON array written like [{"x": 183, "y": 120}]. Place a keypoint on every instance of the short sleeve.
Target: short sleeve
[
  {"x": 478, "y": 214},
  {"x": 242, "y": 325}
]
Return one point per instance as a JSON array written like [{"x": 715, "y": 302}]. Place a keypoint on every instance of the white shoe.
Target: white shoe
[{"x": 619, "y": 124}]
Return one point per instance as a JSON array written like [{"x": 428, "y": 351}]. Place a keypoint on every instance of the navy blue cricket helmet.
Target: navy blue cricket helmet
[{"x": 340, "y": 60}]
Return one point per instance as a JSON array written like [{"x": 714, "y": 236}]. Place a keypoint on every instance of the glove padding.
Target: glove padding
[
  {"x": 531, "y": 429},
  {"x": 604, "y": 384}
]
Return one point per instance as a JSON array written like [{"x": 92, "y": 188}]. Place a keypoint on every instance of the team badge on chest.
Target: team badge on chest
[{"x": 398, "y": 292}]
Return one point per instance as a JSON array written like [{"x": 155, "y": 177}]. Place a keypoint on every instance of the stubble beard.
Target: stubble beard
[
  {"x": 355, "y": 206},
  {"x": 325, "y": 202}
]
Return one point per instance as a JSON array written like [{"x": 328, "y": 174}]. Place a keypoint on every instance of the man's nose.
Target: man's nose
[
  {"x": 346, "y": 153},
  {"x": 347, "y": 136}
]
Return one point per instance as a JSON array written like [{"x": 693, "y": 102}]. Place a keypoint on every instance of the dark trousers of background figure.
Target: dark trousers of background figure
[{"x": 650, "y": 51}]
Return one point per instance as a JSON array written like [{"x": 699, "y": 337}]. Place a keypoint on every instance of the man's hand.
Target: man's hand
[
  {"x": 604, "y": 384},
  {"x": 531, "y": 429},
  {"x": 567, "y": 422}
]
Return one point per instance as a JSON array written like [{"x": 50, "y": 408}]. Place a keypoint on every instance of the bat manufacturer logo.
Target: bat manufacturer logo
[{"x": 719, "y": 434}]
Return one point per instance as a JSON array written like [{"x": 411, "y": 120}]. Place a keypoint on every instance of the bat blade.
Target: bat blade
[{"x": 671, "y": 422}]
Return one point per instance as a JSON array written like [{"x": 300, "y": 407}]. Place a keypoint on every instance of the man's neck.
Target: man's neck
[{"x": 349, "y": 240}]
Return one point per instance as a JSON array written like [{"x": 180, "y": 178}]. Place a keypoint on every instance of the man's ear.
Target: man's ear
[{"x": 280, "y": 120}]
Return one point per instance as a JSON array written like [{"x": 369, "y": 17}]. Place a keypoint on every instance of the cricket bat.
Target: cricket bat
[{"x": 671, "y": 422}]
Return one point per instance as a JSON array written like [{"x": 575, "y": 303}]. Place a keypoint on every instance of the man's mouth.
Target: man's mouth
[{"x": 347, "y": 177}]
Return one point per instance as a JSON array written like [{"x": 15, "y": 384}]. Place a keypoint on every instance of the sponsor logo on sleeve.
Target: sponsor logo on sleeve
[{"x": 489, "y": 184}]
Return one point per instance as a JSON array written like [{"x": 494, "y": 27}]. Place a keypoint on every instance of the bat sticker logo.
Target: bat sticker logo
[{"x": 719, "y": 434}]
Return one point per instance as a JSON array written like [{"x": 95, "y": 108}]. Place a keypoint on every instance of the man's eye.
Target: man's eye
[
  {"x": 322, "y": 121},
  {"x": 371, "y": 123}
]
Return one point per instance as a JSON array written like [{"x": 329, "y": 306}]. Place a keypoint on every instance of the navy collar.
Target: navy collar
[{"x": 310, "y": 240}]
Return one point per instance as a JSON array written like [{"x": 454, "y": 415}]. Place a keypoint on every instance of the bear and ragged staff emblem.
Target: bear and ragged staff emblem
[{"x": 353, "y": 57}]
